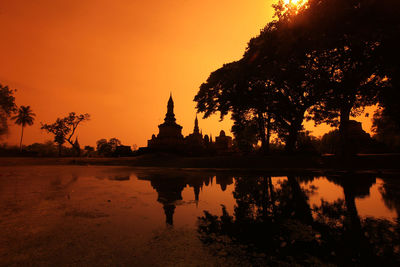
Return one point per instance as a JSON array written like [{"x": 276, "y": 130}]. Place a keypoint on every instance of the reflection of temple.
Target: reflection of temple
[
  {"x": 170, "y": 189},
  {"x": 224, "y": 181},
  {"x": 170, "y": 138}
]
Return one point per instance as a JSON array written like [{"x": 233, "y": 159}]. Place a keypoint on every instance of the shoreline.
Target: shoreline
[{"x": 380, "y": 164}]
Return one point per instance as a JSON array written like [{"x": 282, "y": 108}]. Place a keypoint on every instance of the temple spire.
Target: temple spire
[
  {"x": 196, "y": 189},
  {"x": 170, "y": 116},
  {"x": 196, "y": 126},
  {"x": 169, "y": 210}
]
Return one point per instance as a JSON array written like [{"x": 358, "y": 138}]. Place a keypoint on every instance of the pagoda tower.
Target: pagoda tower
[
  {"x": 170, "y": 133},
  {"x": 170, "y": 128},
  {"x": 196, "y": 126}
]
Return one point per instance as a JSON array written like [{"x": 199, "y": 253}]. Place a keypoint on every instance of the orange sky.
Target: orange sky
[{"x": 118, "y": 60}]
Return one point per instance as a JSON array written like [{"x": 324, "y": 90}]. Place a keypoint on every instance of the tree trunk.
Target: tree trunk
[
  {"x": 59, "y": 149},
  {"x": 344, "y": 150},
  {"x": 20, "y": 142},
  {"x": 354, "y": 234},
  {"x": 261, "y": 130},
  {"x": 292, "y": 137},
  {"x": 301, "y": 208},
  {"x": 268, "y": 133},
  {"x": 77, "y": 150},
  {"x": 294, "y": 129},
  {"x": 265, "y": 199},
  {"x": 271, "y": 193}
]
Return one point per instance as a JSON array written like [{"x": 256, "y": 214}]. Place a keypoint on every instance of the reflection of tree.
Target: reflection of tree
[
  {"x": 356, "y": 245},
  {"x": 272, "y": 219},
  {"x": 390, "y": 192},
  {"x": 279, "y": 222}
]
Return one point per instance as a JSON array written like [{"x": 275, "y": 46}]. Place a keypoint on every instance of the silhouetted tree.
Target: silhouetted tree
[
  {"x": 273, "y": 80},
  {"x": 349, "y": 39},
  {"x": 114, "y": 142},
  {"x": 77, "y": 147},
  {"x": 107, "y": 148},
  {"x": 308, "y": 143},
  {"x": 330, "y": 142},
  {"x": 46, "y": 149},
  {"x": 7, "y": 107},
  {"x": 103, "y": 147},
  {"x": 245, "y": 132},
  {"x": 351, "y": 86},
  {"x": 89, "y": 148},
  {"x": 65, "y": 128},
  {"x": 386, "y": 129},
  {"x": 89, "y": 151},
  {"x": 24, "y": 117},
  {"x": 321, "y": 59}
]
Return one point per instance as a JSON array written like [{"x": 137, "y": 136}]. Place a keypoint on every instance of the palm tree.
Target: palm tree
[{"x": 24, "y": 117}]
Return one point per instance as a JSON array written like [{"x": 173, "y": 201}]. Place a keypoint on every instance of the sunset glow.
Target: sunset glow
[
  {"x": 199, "y": 133},
  {"x": 294, "y": 2},
  {"x": 119, "y": 61}
]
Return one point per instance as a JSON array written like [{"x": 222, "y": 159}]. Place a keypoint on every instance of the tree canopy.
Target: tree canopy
[
  {"x": 25, "y": 116},
  {"x": 324, "y": 60},
  {"x": 7, "y": 107},
  {"x": 107, "y": 148},
  {"x": 65, "y": 128}
]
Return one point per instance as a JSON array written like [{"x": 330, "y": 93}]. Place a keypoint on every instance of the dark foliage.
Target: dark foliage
[
  {"x": 386, "y": 129},
  {"x": 65, "y": 128},
  {"x": 112, "y": 148},
  {"x": 7, "y": 107},
  {"x": 327, "y": 59},
  {"x": 275, "y": 225}
]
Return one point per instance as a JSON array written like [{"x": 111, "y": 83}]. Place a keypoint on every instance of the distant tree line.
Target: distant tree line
[
  {"x": 7, "y": 107},
  {"x": 64, "y": 129},
  {"x": 324, "y": 61}
]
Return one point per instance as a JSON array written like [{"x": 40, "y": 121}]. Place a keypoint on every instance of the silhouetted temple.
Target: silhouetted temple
[
  {"x": 223, "y": 142},
  {"x": 170, "y": 138},
  {"x": 170, "y": 133}
]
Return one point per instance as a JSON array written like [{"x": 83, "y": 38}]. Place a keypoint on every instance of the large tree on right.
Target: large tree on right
[{"x": 325, "y": 60}]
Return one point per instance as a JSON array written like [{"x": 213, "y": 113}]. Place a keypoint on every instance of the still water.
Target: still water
[{"x": 90, "y": 215}]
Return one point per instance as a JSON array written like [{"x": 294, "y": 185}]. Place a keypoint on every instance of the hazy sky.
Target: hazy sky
[{"x": 118, "y": 60}]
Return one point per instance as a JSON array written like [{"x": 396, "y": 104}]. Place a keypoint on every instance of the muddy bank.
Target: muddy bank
[
  {"x": 84, "y": 216},
  {"x": 376, "y": 162}
]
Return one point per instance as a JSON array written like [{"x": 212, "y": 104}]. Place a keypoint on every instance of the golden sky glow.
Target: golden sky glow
[
  {"x": 119, "y": 60},
  {"x": 291, "y": 1}
]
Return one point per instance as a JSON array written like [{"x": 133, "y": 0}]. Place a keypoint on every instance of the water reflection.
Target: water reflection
[
  {"x": 390, "y": 191},
  {"x": 119, "y": 177},
  {"x": 169, "y": 187},
  {"x": 278, "y": 222},
  {"x": 265, "y": 220}
]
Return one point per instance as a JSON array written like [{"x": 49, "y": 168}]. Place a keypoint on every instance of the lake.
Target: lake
[{"x": 93, "y": 215}]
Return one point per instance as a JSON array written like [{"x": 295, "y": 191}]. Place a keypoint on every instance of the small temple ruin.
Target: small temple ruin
[{"x": 170, "y": 138}]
